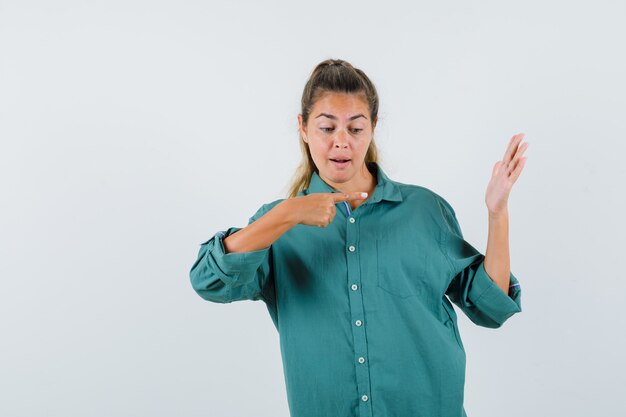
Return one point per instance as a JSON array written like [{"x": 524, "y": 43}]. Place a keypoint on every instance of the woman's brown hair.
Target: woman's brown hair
[{"x": 339, "y": 76}]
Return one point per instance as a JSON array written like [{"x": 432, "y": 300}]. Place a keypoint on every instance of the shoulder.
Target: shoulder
[
  {"x": 422, "y": 194},
  {"x": 428, "y": 200}
]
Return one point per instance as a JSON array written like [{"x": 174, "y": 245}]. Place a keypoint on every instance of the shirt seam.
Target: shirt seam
[{"x": 441, "y": 243}]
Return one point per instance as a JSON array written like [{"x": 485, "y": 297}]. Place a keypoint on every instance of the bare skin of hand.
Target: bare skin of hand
[
  {"x": 504, "y": 175},
  {"x": 318, "y": 209}
]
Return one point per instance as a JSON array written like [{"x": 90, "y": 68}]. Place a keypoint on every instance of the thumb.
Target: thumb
[{"x": 496, "y": 168}]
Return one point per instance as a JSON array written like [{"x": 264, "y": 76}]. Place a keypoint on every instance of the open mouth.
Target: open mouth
[{"x": 340, "y": 163}]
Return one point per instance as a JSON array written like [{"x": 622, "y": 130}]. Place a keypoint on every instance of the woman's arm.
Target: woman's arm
[
  {"x": 497, "y": 258},
  {"x": 263, "y": 232},
  {"x": 504, "y": 175},
  {"x": 316, "y": 209}
]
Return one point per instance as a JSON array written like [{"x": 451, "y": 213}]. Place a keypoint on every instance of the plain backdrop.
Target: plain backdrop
[{"x": 132, "y": 131}]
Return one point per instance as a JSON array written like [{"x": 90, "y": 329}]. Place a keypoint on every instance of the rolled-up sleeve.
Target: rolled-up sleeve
[
  {"x": 225, "y": 277},
  {"x": 471, "y": 288}
]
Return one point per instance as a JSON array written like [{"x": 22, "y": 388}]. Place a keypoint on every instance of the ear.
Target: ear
[{"x": 301, "y": 127}]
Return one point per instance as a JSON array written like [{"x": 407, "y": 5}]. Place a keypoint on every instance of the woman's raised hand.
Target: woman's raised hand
[
  {"x": 318, "y": 209},
  {"x": 504, "y": 174}
]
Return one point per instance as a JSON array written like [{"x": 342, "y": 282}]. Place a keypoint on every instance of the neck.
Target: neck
[{"x": 363, "y": 181}]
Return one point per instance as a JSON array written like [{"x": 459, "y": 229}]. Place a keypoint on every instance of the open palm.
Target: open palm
[{"x": 504, "y": 175}]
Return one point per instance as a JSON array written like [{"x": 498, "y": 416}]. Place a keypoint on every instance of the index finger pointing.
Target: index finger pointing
[{"x": 357, "y": 195}]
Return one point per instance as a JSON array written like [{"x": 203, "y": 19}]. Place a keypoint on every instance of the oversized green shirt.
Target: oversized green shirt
[{"x": 362, "y": 306}]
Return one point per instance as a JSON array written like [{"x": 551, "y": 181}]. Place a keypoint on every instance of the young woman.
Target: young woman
[{"x": 357, "y": 270}]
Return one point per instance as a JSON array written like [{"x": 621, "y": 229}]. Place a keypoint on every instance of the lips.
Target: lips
[
  {"x": 340, "y": 165},
  {"x": 340, "y": 159}
]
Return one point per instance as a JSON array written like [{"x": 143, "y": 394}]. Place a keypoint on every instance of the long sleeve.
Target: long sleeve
[
  {"x": 471, "y": 288},
  {"x": 226, "y": 277}
]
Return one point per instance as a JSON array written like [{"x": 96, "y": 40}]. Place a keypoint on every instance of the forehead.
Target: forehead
[{"x": 342, "y": 105}]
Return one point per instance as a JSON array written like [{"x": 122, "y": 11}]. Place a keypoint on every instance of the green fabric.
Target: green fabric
[{"x": 368, "y": 332}]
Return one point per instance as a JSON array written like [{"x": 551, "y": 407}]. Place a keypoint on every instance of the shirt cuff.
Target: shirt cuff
[
  {"x": 233, "y": 265},
  {"x": 491, "y": 300}
]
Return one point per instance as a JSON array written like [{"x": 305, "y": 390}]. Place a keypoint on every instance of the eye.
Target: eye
[{"x": 328, "y": 129}]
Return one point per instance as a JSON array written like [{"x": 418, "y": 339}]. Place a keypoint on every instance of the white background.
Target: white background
[{"x": 131, "y": 131}]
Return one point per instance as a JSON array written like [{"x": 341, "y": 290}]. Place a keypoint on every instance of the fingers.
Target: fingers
[
  {"x": 329, "y": 219},
  {"x": 356, "y": 195},
  {"x": 515, "y": 163},
  {"x": 518, "y": 169},
  {"x": 512, "y": 147}
]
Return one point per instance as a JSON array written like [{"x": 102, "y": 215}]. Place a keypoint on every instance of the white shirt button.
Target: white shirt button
[
  {"x": 364, "y": 397},
  {"x": 352, "y": 220},
  {"x": 354, "y": 287},
  {"x": 361, "y": 359},
  {"x": 351, "y": 248},
  {"x": 358, "y": 322}
]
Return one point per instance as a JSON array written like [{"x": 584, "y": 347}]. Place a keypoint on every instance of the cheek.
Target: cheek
[
  {"x": 318, "y": 152},
  {"x": 321, "y": 148},
  {"x": 363, "y": 146}
]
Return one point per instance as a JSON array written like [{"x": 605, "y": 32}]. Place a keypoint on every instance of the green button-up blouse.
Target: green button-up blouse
[{"x": 362, "y": 306}]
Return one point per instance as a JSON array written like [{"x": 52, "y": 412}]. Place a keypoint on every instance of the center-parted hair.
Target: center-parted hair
[{"x": 332, "y": 76}]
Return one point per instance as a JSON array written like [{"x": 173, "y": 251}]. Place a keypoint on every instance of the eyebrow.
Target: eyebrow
[{"x": 330, "y": 116}]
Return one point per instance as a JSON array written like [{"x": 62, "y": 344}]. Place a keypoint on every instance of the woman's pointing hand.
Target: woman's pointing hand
[{"x": 318, "y": 209}]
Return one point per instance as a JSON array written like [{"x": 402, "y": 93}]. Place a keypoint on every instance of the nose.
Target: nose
[{"x": 341, "y": 140}]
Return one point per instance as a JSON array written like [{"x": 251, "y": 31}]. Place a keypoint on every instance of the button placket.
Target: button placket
[{"x": 355, "y": 269}]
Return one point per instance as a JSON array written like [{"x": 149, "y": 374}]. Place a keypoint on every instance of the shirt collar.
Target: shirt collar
[{"x": 386, "y": 189}]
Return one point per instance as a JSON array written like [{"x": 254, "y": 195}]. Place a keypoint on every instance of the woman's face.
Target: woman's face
[{"x": 339, "y": 128}]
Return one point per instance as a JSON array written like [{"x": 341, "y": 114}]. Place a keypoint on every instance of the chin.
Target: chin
[{"x": 338, "y": 177}]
